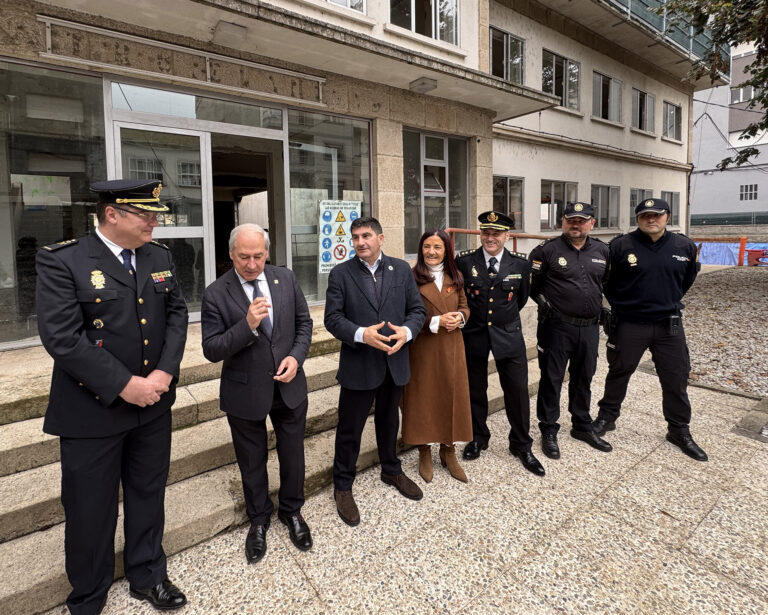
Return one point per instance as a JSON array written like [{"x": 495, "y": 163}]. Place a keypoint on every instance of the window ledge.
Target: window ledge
[
  {"x": 425, "y": 40},
  {"x": 671, "y": 140},
  {"x": 567, "y": 110},
  {"x": 644, "y": 133},
  {"x": 602, "y": 120},
  {"x": 341, "y": 11}
]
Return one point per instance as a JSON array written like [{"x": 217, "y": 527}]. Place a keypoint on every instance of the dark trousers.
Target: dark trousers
[
  {"x": 250, "y": 440},
  {"x": 561, "y": 344},
  {"x": 513, "y": 376},
  {"x": 354, "y": 407},
  {"x": 91, "y": 472},
  {"x": 670, "y": 356}
]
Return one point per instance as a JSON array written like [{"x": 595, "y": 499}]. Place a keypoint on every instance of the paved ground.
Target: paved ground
[{"x": 642, "y": 529}]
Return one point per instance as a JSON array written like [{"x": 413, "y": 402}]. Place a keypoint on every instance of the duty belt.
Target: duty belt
[{"x": 579, "y": 322}]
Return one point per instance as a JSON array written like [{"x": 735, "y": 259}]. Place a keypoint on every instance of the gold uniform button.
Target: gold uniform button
[
  {"x": 97, "y": 397},
  {"x": 146, "y": 342},
  {"x": 79, "y": 384},
  {"x": 490, "y": 324},
  {"x": 98, "y": 299},
  {"x": 166, "y": 289},
  {"x": 491, "y": 287},
  {"x": 146, "y": 361},
  {"x": 491, "y": 299},
  {"x": 490, "y": 311},
  {"x": 141, "y": 300},
  {"x": 143, "y": 321}
]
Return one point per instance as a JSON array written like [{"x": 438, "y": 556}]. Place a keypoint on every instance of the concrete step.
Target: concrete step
[
  {"x": 30, "y": 500},
  {"x": 25, "y": 374},
  {"x": 197, "y": 509},
  {"x": 24, "y": 446}
]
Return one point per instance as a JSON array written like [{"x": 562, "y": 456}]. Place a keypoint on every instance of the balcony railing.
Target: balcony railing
[{"x": 680, "y": 34}]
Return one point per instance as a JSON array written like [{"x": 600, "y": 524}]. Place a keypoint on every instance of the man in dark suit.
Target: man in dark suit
[
  {"x": 373, "y": 306},
  {"x": 497, "y": 283},
  {"x": 256, "y": 320},
  {"x": 111, "y": 315}
]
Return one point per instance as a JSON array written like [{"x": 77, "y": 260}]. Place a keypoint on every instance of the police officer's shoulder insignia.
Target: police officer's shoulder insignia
[
  {"x": 464, "y": 253},
  {"x": 97, "y": 279},
  {"x": 562, "y": 261},
  {"x": 615, "y": 239},
  {"x": 62, "y": 244},
  {"x": 157, "y": 243},
  {"x": 522, "y": 255}
]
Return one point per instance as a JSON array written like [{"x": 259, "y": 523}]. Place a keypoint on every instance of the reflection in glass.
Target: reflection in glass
[
  {"x": 189, "y": 260},
  {"x": 152, "y": 100},
  {"x": 329, "y": 159},
  {"x": 458, "y": 174},
  {"x": 412, "y": 190},
  {"x": 52, "y": 144},
  {"x": 172, "y": 159},
  {"x": 434, "y": 213},
  {"x": 434, "y": 148}
]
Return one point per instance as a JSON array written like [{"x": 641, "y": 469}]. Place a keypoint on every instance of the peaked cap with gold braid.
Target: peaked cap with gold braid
[
  {"x": 495, "y": 220},
  {"x": 139, "y": 193}
]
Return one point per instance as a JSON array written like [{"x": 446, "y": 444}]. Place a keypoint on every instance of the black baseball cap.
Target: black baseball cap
[
  {"x": 656, "y": 206},
  {"x": 579, "y": 210}
]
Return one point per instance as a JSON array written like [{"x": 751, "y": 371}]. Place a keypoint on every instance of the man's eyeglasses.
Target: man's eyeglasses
[{"x": 148, "y": 216}]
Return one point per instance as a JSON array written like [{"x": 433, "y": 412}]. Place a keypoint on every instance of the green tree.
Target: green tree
[{"x": 731, "y": 23}]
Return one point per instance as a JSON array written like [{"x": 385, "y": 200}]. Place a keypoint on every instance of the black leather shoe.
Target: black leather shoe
[
  {"x": 529, "y": 462},
  {"x": 298, "y": 529},
  {"x": 549, "y": 445},
  {"x": 686, "y": 444},
  {"x": 164, "y": 596},
  {"x": 256, "y": 543},
  {"x": 600, "y": 426},
  {"x": 472, "y": 450},
  {"x": 592, "y": 439}
]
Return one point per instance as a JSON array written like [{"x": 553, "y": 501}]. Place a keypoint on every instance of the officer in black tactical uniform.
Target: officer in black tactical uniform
[
  {"x": 497, "y": 284},
  {"x": 111, "y": 315},
  {"x": 650, "y": 269},
  {"x": 567, "y": 283}
]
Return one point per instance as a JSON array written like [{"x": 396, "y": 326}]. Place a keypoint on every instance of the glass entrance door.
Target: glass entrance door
[{"x": 179, "y": 159}]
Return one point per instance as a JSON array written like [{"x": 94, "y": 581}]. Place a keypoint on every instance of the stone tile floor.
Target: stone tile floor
[{"x": 643, "y": 529}]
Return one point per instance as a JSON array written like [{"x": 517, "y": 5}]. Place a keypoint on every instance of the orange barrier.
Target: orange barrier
[
  {"x": 742, "y": 244},
  {"x": 515, "y": 236},
  {"x": 757, "y": 258}
]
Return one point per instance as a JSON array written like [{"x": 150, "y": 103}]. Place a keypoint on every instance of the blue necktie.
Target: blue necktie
[
  {"x": 266, "y": 323},
  {"x": 126, "y": 254},
  {"x": 492, "y": 265}
]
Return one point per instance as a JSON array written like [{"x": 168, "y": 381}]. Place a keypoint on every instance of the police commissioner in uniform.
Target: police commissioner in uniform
[
  {"x": 567, "y": 283},
  {"x": 650, "y": 270},
  {"x": 111, "y": 315}
]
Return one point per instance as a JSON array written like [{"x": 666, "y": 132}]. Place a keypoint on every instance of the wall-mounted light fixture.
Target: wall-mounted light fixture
[
  {"x": 422, "y": 85},
  {"x": 229, "y": 34}
]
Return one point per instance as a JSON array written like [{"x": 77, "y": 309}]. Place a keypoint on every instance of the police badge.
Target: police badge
[{"x": 97, "y": 279}]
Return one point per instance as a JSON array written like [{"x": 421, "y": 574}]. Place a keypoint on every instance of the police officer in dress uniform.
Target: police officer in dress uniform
[
  {"x": 111, "y": 315},
  {"x": 497, "y": 284},
  {"x": 650, "y": 269},
  {"x": 567, "y": 283}
]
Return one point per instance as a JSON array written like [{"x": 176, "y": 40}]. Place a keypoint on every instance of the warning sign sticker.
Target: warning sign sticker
[{"x": 343, "y": 213}]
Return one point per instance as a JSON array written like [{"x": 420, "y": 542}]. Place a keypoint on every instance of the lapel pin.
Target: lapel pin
[
  {"x": 390, "y": 267},
  {"x": 276, "y": 281}
]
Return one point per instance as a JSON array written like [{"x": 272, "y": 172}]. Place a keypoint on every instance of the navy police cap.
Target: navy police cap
[
  {"x": 656, "y": 206},
  {"x": 495, "y": 221},
  {"x": 139, "y": 193},
  {"x": 579, "y": 210}
]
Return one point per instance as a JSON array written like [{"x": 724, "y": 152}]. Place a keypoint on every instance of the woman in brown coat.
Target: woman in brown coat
[{"x": 436, "y": 400}]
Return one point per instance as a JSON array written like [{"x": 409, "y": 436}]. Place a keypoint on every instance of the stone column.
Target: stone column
[{"x": 388, "y": 183}]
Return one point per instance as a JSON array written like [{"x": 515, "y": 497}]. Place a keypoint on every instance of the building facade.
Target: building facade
[
  {"x": 422, "y": 113},
  {"x": 734, "y": 201}
]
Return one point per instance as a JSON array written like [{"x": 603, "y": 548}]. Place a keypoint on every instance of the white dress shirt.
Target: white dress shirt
[
  {"x": 248, "y": 289},
  {"x": 116, "y": 250}
]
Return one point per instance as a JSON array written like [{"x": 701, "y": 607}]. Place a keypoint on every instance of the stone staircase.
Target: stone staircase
[{"x": 204, "y": 494}]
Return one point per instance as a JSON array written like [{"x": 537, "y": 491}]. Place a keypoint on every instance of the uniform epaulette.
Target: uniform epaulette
[
  {"x": 522, "y": 255},
  {"x": 465, "y": 252},
  {"x": 62, "y": 244},
  {"x": 162, "y": 245},
  {"x": 596, "y": 239},
  {"x": 617, "y": 237}
]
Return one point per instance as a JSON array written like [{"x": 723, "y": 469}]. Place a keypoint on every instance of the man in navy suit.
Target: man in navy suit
[
  {"x": 373, "y": 306},
  {"x": 256, "y": 320}
]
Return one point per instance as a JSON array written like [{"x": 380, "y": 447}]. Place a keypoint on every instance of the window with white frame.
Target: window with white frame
[
  {"x": 436, "y": 181},
  {"x": 355, "y": 5},
  {"x": 748, "y": 192},
  {"x": 508, "y": 199},
  {"x": 605, "y": 200},
  {"x": 560, "y": 77},
  {"x": 673, "y": 115},
  {"x": 189, "y": 173},
  {"x": 673, "y": 200},
  {"x": 606, "y": 97},
  {"x": 742, "y": 94},
  {"x": 554, "y": 196},
  {"x": 506, "y": 56},
  {"x": 438, "y": 19},
  {"x": 145, "y": 168},
  {"x": 643, "y": 110}
]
